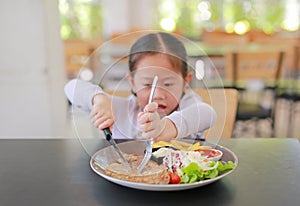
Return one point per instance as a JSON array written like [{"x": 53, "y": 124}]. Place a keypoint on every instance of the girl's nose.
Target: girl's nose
[{"x": 159, "y": 93}]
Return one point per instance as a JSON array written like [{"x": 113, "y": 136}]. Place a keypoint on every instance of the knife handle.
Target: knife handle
[{"x": 107, "y": 133}]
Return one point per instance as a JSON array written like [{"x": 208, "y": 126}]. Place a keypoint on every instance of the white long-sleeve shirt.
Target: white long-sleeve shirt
[{"x": 192, "y": 115}]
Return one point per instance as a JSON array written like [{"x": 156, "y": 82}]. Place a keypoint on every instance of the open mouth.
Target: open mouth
[{"x": 161, "y": 109}]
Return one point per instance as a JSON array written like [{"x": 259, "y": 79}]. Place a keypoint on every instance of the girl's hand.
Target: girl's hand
[
  {"x": 150, "y": 122},
  {"x": 102, "y": 112}
]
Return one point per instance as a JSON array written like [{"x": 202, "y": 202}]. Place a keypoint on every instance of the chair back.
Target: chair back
[
  {"x": 80, "y": 53},
  {"x": 222, "y": 38},
  {"x": 261, "y": 65},
  {"x": 296, "y": 61},
  {"x": 286, "y": 44},
  {"x": 224, "y": 101},
  {"x": 119, "y": 93}
]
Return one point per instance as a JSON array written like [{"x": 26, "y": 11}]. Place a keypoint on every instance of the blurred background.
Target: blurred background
[{"x": 44, "y": 43}]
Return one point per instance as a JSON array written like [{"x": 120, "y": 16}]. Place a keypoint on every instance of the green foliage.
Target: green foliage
[
  {"x": 83, "y": 18},
  {"x": 265, "y": 15},
  {"x": 80, "y": 19}
]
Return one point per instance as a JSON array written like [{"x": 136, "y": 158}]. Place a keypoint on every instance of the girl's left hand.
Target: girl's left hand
[{"x": 150, "y": 122}]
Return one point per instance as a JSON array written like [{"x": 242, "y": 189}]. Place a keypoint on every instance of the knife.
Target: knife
[{"x": 108, "y": 136}]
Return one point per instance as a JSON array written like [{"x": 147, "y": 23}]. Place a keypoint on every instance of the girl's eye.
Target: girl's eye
[
  {"x": 168, "y": 84},
  {"x": 147, "y": 85}
]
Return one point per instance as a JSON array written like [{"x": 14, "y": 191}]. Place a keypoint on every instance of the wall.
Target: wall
[{"x": 31, "y": 70}]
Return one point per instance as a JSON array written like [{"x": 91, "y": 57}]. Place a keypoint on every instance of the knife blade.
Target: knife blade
[{"x": 108, "y": 136}]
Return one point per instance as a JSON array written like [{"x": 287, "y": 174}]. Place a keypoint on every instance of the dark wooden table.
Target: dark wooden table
[{"x": 56, "y": 172}]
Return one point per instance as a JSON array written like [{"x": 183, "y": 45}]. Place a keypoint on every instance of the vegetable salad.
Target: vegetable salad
[{"x": 192, "y": 166}]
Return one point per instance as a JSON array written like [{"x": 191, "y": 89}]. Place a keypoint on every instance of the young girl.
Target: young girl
[{"x": 173, "y": 113}]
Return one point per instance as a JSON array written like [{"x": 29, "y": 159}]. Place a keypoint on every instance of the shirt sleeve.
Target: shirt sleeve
[
  {"x": 192, "y": 116},
  {"x": 80, "y": 93}
]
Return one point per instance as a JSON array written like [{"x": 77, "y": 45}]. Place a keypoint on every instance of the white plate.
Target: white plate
[{"x": 104, "y": 157}]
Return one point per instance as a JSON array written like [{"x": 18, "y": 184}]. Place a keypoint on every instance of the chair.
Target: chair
[
  {"x": 127, "y": 38},
  {"x": 80, "y": 53},
  {"x": 222, "y": 38},
  {"x": 221, "y": 41},
  {"x": 224, "y": 101},
  {"x": 255, "y": 75},
  {"x": 284, "y": 43},
  {"x": 288, "y": 96}
]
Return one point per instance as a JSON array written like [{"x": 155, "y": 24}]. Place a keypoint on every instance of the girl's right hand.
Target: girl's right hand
[{"x": 102, "y": 112}]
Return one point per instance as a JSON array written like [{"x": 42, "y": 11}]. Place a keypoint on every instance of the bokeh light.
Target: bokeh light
[
  {"x": 229, "y": 27},
  {"x": 203, "y": 6},
  {"x": 168, "y": 24},
  {"x": 241, "y": 27}
]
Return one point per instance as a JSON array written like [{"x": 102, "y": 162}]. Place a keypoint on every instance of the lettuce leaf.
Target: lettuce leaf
[
  {"x": 193, "y": 173},
  {"x": 225, "y": 166}
]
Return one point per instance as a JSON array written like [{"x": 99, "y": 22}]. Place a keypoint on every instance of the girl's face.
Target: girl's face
[{"x": 170, "y": 85}]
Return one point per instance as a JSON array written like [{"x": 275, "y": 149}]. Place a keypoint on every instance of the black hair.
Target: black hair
[{"x": 160, "y": 42}]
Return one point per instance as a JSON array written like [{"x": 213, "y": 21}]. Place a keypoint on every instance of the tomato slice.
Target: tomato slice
[{"x": 174, "y": 178}]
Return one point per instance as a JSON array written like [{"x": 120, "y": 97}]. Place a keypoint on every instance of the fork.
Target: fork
[
  {"x": 147, "y": 156},
  {"x": 149, "y": 142}
]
